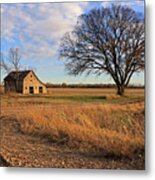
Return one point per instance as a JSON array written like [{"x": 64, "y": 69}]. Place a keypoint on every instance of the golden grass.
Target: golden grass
[
  {"x": 99, "y": 128},
  {"x": 107, "y": 129}
]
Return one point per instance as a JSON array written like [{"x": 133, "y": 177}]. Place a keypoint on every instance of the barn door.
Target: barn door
[
  {"x": 31, "y": 90},
  {"x": 40, "y": 89}
]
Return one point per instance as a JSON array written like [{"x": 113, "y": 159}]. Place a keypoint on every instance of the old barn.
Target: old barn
[{"x": 25, "y": 82}]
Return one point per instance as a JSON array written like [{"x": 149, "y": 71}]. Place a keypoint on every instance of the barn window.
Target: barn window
[
  {"x": 25, "y": 87},
  {"x": 30, "y": 75},
  {"x": 40, "y": 89}
]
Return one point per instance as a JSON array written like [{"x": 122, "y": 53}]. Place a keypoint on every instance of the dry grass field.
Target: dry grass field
[{"x": 73, "y": 128}]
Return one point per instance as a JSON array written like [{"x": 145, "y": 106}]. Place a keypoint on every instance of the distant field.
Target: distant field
[
  {"x": 90, "y": 91},
  {"x": 83, "y": 95},
  {"x": 87, "y": 122}
]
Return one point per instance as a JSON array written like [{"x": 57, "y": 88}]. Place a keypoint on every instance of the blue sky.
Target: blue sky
[{"x": 36, "y": 29}]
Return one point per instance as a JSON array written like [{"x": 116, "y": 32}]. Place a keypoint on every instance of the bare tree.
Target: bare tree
[
  {"x": 12, "y": 62},
  {"x": 14, "y": 58},
  {"x": 106, "y": 40},
  {"x": 3, "y": 65}
]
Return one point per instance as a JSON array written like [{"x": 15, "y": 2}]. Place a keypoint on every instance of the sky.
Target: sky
[{"x": 36, "y": 29}]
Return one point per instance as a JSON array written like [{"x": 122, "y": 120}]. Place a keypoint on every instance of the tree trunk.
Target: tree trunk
[{"x": 120, "y": 90}]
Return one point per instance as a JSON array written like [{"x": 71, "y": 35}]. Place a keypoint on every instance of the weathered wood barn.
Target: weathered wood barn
[{"x": 25, "y": 82}]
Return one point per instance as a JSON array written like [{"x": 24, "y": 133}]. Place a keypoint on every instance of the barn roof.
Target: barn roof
[
  {"x": 20, "y": 75},
  {"x": 17, "y": 75}
]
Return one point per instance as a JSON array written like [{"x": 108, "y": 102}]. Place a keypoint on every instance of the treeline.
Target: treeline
[{"x": 65, "y": 85}]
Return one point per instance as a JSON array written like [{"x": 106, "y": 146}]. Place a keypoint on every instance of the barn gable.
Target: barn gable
[{"x": 32, "y": 84}]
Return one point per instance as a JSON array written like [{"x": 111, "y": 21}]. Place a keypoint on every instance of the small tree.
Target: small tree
[
  {"x": 12, "y": 62},
  {"x": 64, "y": 85},
  {"x": 106, "y": 40},
  {"x": 14, "y": 58},
  {"x": 3, "y": 65}
]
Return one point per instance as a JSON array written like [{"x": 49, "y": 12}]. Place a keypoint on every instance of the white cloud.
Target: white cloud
[
  {"x": 38, "y": 28},
  {"x": 129, "y": 3}
]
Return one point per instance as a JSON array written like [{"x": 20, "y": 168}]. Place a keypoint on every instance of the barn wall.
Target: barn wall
[
  {"x": 9, "y": 86},
  {"x": 31, "y": 81},
  {"x": 13, "y": 86},
  {"x": 19, "y": 85}
]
